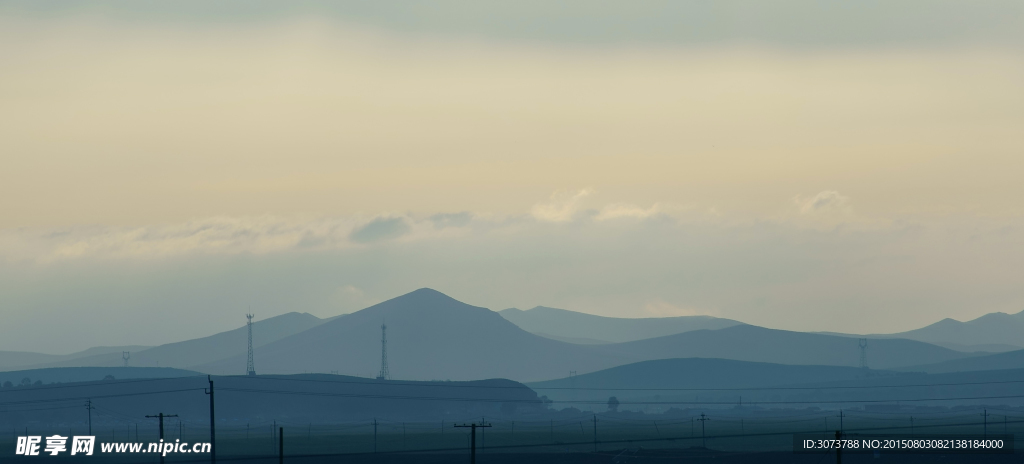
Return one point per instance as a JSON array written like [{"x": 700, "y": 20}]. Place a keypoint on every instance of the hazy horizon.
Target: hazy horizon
[{"x": 168, "y": 167}]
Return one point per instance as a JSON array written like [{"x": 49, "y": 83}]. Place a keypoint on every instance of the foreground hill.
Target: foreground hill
[
  {"x": 574, "y": 327},
  {"x": 86, "y": 374},
  {"x": 430, "y": 336},
  {"x": 299, "y": 399},
  {"x": 202, "y": 350},
  {"x": 998, "y": 361},
  {"x": 701, "y": 382}
]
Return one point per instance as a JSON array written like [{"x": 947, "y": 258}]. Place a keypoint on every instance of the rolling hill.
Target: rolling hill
[
  {"x": 990, "y": 329},
  {"x": 998, "y": 361},
  {"x": 432, "y": 336},
  {"x": 699, "y": 373},
  {"x": 21, "y": 359},
  {"x": 703, "y": 382},
  {"x": 581, "y": 328},
  {"x": 758, "y": 344},
  {"x": 201, "y": 350},
  {"x": 87, "y": 374}
]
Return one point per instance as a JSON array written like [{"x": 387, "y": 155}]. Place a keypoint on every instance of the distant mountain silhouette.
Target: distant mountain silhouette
[
  {"x": 433, "y": 337},
  {"x": 990, "y": 329},
  {"x": 758, "y": 344},
  {"x": 582, "y": 328},
  {"x": 202, "y": 350},
  {"x": 21, "y": 359}
]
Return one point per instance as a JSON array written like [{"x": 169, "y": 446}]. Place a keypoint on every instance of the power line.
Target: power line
[
  {"x": 566, "y": 445},
  {"x": 512, "y": 400},
  {"x": 90, "y": 383},
  {"x": 119, "y": 395},
  {"x": 428, "y": 384},
  {"x": 370, "y": 382}
]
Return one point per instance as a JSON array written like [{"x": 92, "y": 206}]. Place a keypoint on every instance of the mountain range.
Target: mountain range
[
  {"x": 16, "y": 359},
  {"x": 432, "y": 336},
  {"x": 993, "y": 330},
  {"x": 183, "y": 354}
]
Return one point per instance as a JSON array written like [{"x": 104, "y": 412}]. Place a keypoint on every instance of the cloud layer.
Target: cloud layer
[{"x": 150, "y": 284}]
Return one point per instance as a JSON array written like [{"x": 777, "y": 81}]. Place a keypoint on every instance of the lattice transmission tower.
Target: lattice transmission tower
[
  {"x": 250, "y": 367},
  {"x": 863, "y": 343},
  {"x": 125, "y": 355},
  {"x": 384, "y": 373}
]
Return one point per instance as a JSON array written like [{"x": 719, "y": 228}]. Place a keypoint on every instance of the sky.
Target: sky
[{"x": 804, "y": 165}]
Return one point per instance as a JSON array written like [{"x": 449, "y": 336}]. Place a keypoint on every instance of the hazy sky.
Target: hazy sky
[{"x": 806, "y": 165}]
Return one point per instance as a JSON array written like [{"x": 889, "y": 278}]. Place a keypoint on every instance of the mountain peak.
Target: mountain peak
[
  {"x": 421, "y": 302},
  {"x": 426, "y": 294}
]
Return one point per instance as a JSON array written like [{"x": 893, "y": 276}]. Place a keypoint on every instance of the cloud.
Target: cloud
[
  {"x": 443, "y": 220},
  {"x": 380, "y": 229},
  {"x": 561, "y": 207},
  {"x": 626, "y": 210},
  {"x": 824, "y": 201},
  {"x": 778, "y": 273}
]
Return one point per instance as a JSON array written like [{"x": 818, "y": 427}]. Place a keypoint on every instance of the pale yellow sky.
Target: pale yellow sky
[
  {"x": 111, "y": 122},
  {"x": 836, "y": 169}
]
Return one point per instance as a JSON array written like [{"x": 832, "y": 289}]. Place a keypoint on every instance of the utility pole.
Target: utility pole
[
  {"x": 280, "y": 445},
  {"x": 985, "y": 416},
  {"x": 704, "y": 437},
  {"x": 375, "y": 435},
  {"x": 88, "y": 407},
  {"x": 911, "y": 425},
  {"x": 839, "y": 448},
  {"x": 472, "y": 440},
  {"x": 213, "y": 425},
  {"x": 595, "y": 432},
  {"x": 841, "y": 415},
  {"x": 161, "y": 416}
]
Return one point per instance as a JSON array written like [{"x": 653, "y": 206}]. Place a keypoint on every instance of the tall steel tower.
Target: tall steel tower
[
  {"x": 250, "y": 368},
  {"x": 384, "y": 373},
  {"x": 125, "y": 355}
]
